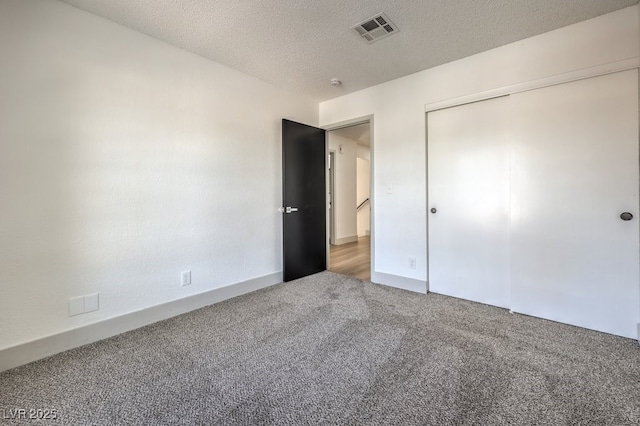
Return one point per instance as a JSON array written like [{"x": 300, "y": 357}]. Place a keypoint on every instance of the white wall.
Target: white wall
[
  {"x": 124, "y": 161},
  {"x": 398, "y": 108},
  {"x": 345, "y": 196},
  {"x": 363, "y": 190},
  {"x": 364, "y": 152}
]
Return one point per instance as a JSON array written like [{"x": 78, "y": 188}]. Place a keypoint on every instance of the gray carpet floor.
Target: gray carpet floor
[{"x": 328, "y": 349}]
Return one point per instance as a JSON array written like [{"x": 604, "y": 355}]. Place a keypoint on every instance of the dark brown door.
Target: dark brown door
[{"x": 304, "y": 200}]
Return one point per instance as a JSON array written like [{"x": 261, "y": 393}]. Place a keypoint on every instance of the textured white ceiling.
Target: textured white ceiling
[{"x": 300, "y": 45}]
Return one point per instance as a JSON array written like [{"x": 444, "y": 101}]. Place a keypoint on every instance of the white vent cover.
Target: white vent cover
[{"x": 375, "y": 28}]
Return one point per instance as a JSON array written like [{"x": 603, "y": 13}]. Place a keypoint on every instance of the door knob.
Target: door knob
[
  {"x": 433, "y": 210},
  {"x": 626, "y": 216},
  {"x": 291, "y": 209}
]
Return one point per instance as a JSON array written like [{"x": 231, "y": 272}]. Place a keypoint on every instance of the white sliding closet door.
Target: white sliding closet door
[
  {"x": 468, "y": 184},
  {"x": 575, "y": 170}
]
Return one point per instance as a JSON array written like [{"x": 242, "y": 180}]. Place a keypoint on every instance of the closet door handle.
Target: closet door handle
[
  {"x": 626, "y": 216},
  {"x": 434, "y": 210}
]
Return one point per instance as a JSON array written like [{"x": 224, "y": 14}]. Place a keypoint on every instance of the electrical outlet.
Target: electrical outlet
[
  {"x": 412, "y": 263},
  {"x": 186, "y": 278}
]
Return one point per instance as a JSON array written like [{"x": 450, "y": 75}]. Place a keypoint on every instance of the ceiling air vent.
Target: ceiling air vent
[{"x": 375, "y": 28}]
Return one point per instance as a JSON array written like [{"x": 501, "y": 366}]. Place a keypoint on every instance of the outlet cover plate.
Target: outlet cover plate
[{"x": 186, "y": 278}]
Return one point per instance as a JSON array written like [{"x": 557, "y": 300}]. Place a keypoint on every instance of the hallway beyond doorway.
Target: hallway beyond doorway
[{"x": 352, "y": 259}]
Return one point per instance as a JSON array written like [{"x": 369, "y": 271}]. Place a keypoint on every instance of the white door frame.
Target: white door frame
[
  {"x": 349, "y": 123},
  {"x": 331, "y": 185}
]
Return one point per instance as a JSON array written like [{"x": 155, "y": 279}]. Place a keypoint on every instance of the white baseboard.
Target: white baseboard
[
  {"x": 345, "y": 240},
  {"x": 25, "y": 353},
  {"x": 396, "y": 281}
]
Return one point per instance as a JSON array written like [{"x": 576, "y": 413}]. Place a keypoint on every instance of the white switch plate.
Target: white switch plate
[
  {"x": 91, "y": 302},
  {"x": 186, "y": 278},
  {"x": 76, "y": 306}
]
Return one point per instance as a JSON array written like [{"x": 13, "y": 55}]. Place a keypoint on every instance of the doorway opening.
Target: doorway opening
[{"x": 349, "y": 200}]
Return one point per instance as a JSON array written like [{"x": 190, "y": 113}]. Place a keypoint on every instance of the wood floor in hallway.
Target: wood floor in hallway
[{"x": 352, "y": 259}]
